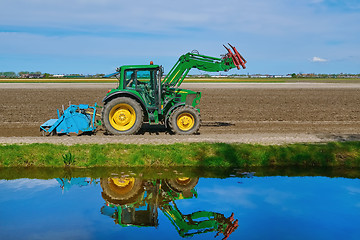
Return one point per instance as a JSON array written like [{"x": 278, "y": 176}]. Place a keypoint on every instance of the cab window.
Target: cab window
[
  {"x": 144, "y": 76},
  {"x": 130, "y": 77},
  {"x": 135, "y": 79}
]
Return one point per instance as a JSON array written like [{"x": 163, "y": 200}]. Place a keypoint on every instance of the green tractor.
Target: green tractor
[
  {"x": 143, "y": 95},
  {"x": 135, "y": 202}
]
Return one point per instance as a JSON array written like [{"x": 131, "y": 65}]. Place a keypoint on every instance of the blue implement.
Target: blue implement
[{"x": 75, "y": 119}]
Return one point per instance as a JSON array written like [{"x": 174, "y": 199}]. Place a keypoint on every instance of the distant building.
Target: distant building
[
  {"x": 31, "y": 75},
  {"x": 58, "y": 75},
  {"x": 35, "y": 75}
]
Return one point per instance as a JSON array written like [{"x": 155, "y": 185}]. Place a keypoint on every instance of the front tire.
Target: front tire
[
  {"x": 182, "y": 184},
  {"x": 184, "y": 120},
  {"x": 122, "y": 116}
]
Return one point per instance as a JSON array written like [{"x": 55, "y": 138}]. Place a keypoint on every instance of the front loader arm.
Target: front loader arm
[
  {"x": 199, "y": 222},
  {"x": 206, "y": 63}
]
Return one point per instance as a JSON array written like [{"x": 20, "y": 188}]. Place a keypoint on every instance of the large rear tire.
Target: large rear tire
[
  {"x": 122, "y": 116},
  {"x": 121, "y": 189},
  {"x": 184, "y": 120}
]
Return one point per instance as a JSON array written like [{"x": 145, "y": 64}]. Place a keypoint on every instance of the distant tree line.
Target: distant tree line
[
  {"x": 23, "y": 74},
  {"x": 314, "y": 75},
  {"x": 8, "y": 74},
  {"x": 27, "y": 74}
]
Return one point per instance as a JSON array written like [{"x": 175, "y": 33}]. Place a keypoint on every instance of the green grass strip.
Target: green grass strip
[{"x": 345, "y": 154}]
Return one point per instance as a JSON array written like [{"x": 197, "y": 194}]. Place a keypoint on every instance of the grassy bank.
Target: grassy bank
[{"x": 345, "y": 154}]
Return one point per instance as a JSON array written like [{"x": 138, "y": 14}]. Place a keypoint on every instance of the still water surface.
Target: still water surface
[{"x": 240, "y": 207}]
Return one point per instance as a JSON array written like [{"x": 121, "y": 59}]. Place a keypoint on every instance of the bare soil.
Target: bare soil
[{"x": 226, "y": 112}]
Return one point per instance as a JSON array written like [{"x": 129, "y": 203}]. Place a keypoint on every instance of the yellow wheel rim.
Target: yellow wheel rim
[
  {"x": 185, "y": 121},
  {"x": 121, "y": 185},
  {"x": 183, "y": 180},
  {"x": 122, "y": 117}
]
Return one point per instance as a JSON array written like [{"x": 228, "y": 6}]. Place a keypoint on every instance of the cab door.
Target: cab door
[{"x": 147, "y": 83}]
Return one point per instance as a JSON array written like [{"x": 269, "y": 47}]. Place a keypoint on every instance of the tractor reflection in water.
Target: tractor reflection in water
[{"x": 135, "y": 202}]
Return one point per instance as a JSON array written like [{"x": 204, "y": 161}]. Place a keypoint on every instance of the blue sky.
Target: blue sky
[{"x": 92, "y": 36}]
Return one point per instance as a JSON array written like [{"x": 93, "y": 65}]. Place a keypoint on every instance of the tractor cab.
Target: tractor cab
[
  {"x": 146, "y": 82},
  {"x": 142, "y": 80}
]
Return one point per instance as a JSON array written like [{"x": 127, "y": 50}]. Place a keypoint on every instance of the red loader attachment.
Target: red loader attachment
[{"x": 236, "y": 57}]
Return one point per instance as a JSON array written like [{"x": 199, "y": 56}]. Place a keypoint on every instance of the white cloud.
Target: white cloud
[
  {"x": 38, "y": 184},
  {"x": 260, "y": 29},
  {"x": 247, "y": 197},
  {"x": 95, "y": 46},
  {"x": 317, "y": 1},
  {"x": 318, "y": 59},
  {"x": 72, "y": 233},
  {"x": 240, "y": 196},
  {"x": 353, "y": 190},
  {"x": 159, "y": 16}
]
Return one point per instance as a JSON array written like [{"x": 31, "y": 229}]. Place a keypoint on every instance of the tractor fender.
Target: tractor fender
[
  {"x": 171, "y": 110},
  {"x": 125, "y": 94}
]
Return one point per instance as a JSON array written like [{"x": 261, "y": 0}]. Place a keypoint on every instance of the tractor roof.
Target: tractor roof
[
  {"x": 139, "y": 66},
  {"x": 131, "y": 67}
]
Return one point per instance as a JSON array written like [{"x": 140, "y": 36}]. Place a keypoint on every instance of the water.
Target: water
[{"x": 244, "y": 206}]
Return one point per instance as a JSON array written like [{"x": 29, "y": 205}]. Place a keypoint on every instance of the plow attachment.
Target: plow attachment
[
  {"x": 236, "y": 57},
  {"x": 75, "y": 119}
]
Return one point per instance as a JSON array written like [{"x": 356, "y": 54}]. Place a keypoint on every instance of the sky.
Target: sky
[
  {"x": 265, "y": 207},
  {"x": 92, "y": 36}
]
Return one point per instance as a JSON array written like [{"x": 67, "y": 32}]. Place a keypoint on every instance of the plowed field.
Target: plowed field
[{"x": 261, "y": 109}]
